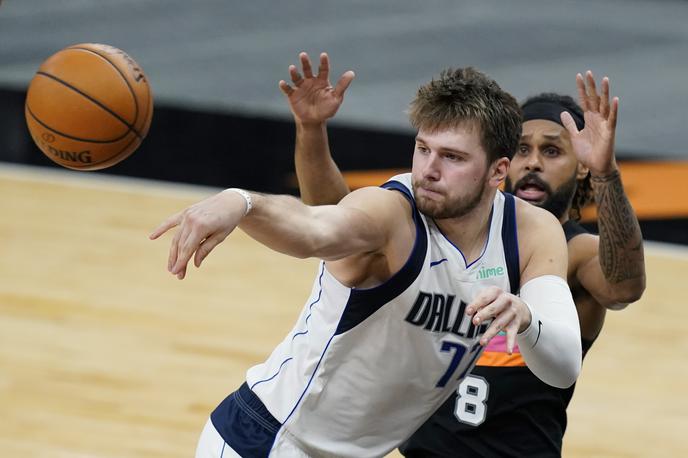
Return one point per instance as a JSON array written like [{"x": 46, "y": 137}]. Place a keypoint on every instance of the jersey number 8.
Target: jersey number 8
[{"x": 470, "y": 403}]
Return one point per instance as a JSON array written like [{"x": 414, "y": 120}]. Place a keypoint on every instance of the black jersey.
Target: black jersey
[{"x": 500, "y": 409}]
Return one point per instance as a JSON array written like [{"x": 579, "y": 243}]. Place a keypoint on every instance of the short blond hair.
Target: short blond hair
[{"x": 466, "y": 95}]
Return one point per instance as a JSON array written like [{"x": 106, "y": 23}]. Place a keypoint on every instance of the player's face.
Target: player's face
[
  {"x": 544, "y": 170},
  {"x": 449, "y": 171}
]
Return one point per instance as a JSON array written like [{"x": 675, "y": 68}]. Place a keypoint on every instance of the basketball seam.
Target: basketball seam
[
  {"x": 121, "y": 151},
  {"x": 88, "y": 97},
  {"x": 72, "y": 137},
  {"x": 126, "y": 81}
]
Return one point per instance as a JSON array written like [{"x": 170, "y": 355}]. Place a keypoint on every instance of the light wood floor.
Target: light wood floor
[{"x": 104, "y": 354}]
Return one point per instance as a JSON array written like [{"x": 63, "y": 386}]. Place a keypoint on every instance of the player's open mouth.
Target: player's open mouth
[{"x": 532, "y": 192}]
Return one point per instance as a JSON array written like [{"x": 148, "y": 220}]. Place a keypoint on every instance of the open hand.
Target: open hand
[
  {"x": 202, "y": 227},
  {"x": 594, "y": 145},
  {"x": 312, "y": 99}
]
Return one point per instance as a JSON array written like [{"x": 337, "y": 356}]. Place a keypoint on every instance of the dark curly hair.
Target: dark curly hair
[
  {"x": 584, "y": 195},
  {"x": 465, "y": 94}
]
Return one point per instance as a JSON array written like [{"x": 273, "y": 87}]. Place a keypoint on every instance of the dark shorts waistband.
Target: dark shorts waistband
[
  {"x": 253, "y": 406},
  {"x": 245, "y": 423}
]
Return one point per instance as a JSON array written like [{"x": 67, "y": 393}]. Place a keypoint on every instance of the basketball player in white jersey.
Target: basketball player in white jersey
[
  {"x": 417, "y": 276},
  {"x": 556, "y": 168}
]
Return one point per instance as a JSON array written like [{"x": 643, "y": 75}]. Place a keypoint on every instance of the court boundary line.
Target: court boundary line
[{"x": 95, "y": 180}]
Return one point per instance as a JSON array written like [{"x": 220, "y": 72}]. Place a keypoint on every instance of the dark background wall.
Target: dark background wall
[
  {"x": 221, "y": 149},
  {"x": 227, "y": 55},
  {"x": 220, "y": 119},
  {"x": 216, "y": 148}
]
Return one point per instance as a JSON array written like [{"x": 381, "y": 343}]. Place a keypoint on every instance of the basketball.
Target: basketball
[{"x": 89, "y": 106}]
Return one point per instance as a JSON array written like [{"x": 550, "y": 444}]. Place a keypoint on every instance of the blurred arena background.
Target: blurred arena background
[{"x": 101, "y": 354}]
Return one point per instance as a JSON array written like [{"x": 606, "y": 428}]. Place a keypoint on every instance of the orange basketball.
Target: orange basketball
[{"x": 89, "y": 106}]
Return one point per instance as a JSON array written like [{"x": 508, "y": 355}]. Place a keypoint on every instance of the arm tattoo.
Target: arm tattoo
[{"x": 621, "y": 242}]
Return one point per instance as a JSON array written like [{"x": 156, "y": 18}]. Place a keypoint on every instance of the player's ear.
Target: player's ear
[
  {"x": 498, "y": 171},
  {"x": 581, "y": 171}
]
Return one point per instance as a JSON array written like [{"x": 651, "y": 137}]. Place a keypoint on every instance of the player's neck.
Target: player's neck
[
  {"x": 565, "y": 216},
  {"x": 469, "y": 232}
]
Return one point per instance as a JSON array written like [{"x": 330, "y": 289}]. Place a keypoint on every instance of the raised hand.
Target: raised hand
[
  {"x": 594, "y": 145},
  {"x": 312, "y": 99},
  {"x": 202, "y": 227}
]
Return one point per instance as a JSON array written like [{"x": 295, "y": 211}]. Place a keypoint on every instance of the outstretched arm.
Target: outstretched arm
[
  {"x": 616, "y": 276},
  {"x": 361, "y": 223},
  {"x": 313, "y": 100}
]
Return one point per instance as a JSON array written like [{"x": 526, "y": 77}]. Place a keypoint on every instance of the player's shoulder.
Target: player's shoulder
[
  {"x": 541, "y": 242},
  {"x": 375, "y": 196},
  {"x": 540, "y": 235},
  {"x": 533, "y": 221},
  {"x": 379, "y": 203}
]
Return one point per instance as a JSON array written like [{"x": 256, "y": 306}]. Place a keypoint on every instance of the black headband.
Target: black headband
[{"x": 551, "y": 111}]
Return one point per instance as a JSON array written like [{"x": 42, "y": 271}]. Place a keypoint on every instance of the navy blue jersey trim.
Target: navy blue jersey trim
[
  {"x": 276, "y": 373},
  {"x": 315, "y": 371},
  {"x": 305, "y": 390},
  {"x": 310, "y": 312},
  {"x": 310, "y": 306},
  {"x": 573, "y": 229},
  {"x": 398, "y": 186},
  {"x": 363, "y": 303},
  {"x": 487, "y": 241},
  {"x": 436, "y": 263},
  {"x": 510, "y": 242}
]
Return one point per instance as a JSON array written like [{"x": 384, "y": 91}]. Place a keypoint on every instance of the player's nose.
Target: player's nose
[
  {"x": 533, "y": 161},
  {"x": 431, "y": 167}
]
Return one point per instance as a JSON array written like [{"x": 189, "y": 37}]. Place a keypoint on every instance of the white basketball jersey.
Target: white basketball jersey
[{"x": 362, "y": 369}]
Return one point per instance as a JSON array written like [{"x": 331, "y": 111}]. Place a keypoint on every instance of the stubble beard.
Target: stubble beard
[
  {"x": 557, "y": 202},
  {"x": 452, "y": 209}
]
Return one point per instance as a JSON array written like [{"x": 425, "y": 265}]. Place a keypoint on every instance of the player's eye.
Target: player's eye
[{"x": 551, "y": 151}]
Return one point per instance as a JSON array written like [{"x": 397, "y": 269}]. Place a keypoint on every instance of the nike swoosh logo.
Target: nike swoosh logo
[
  {"x": 434, "y": 263},
  {"x": 539, "y": 331}
]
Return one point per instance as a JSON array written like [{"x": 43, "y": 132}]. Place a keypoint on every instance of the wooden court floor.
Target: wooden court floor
[{"x": 104, "y": 354}]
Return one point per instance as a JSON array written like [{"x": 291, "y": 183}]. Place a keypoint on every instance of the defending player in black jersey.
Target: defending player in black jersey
[{"x": 565, "y": 159}]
